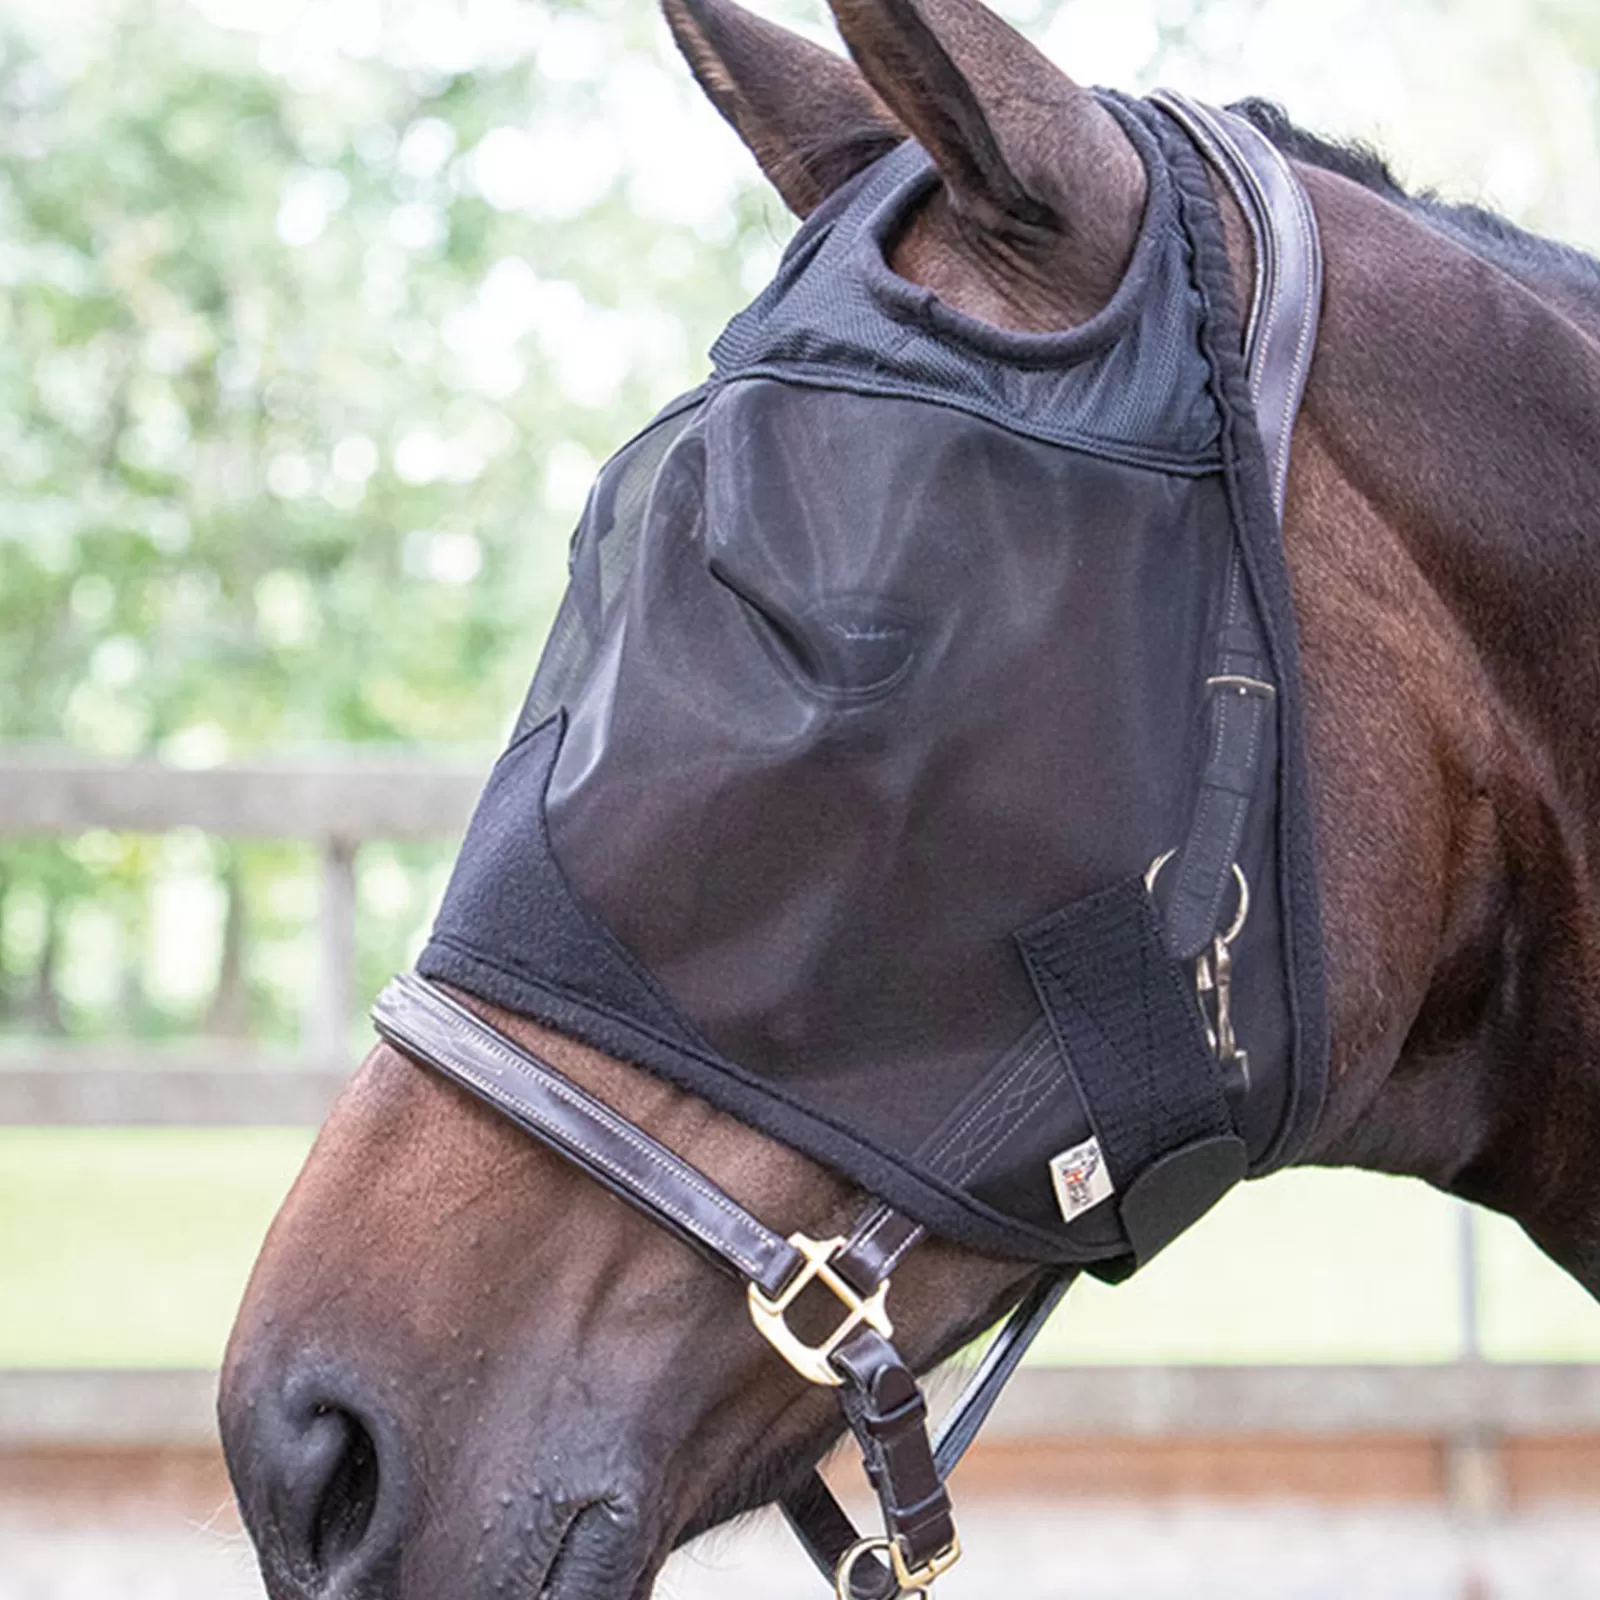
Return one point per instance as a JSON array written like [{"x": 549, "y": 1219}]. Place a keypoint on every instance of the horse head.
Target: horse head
[{"x": 464, "y": 1368}]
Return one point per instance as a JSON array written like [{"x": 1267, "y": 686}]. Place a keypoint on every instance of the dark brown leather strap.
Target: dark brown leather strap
[
  {"x": 881, "y": 1241},
  {"x": 1002, "y": 1358},
  {"x": 821, "y": 1523},
  {"x": 889, "y": 1418},
  {"x": 827, "y": 1535},
  {"x": 1286, "y": 301},
  {"x": 884, "y": 1406},
  {"x": 1280, "y": 337},
  {"x": 422, "y": 1020},
  {"x": 878, "y": 1393}
]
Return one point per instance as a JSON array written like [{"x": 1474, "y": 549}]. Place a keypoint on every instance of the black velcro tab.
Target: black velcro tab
[
  {"x": 1128, "y": 1023},
  {"x": 1170, "y": 1197}
]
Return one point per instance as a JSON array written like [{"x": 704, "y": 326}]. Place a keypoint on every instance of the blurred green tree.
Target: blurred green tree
[
  {"x": 308, "y": 350},
  {"x": 315, "y": 321}
]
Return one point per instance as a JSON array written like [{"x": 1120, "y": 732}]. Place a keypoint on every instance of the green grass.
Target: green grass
[
  {"x": 1330, "y": 1266},
  {"x": 128, "y": 1248}
]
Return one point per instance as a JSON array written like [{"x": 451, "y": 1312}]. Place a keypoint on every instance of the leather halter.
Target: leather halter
[{"x": 879, "y": 1395}]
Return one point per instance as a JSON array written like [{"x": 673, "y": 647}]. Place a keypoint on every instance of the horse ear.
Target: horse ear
[
  {"x": 1026, "y": 154},
  {"x": 806, "y": 114}
]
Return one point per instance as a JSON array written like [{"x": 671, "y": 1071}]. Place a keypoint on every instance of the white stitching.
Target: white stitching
[
  {"x": 880, "y": 1218},
  {"x": 1025, "y": 1063},
  {"x": 883, "y": 1216},
  {"x": 1297, "y": 367},
  {"x": 1226, "y": 150}
]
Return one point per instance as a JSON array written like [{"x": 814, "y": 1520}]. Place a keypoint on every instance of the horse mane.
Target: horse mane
[{"x": 1534, "y": 260}]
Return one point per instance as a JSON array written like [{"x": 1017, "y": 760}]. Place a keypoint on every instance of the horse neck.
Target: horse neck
[
  {"x": 1465, "y": 406},
  {"x": 1448, "y": 573}
]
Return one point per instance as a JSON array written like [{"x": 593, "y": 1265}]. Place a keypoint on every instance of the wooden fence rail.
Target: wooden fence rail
[
  {"x": 339, "y": 803},
  {"x": 51, "y": 1408},
  {"x": 336, "y": 804}
]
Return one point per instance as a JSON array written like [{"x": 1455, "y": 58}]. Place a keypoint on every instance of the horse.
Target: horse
[{"x": 461, "y": 1367}]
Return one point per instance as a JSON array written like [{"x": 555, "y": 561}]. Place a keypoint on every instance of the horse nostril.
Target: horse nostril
[
  {"x": 322, "y": 1481},
  {"x": 342, "y": 1513}
]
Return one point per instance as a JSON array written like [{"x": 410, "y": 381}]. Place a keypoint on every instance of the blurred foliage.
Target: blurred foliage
[
  {"x": 296, "y": 382},
  {"x": 308, "y": 349},
  {"x": 316, "y": 317}
]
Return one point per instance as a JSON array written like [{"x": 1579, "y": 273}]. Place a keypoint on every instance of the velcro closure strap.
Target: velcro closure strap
[{"x": 1130, "y": 1031}]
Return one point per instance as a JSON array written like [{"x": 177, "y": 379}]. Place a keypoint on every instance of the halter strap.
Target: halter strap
[
  {"x": 1286, "y": 302},
  {"x": 879, "y": 1395},
  {"x": 1280, "y": 337}
]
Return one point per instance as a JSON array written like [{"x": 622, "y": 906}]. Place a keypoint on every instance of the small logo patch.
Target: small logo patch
[{"x": 1081, "y": 1179}]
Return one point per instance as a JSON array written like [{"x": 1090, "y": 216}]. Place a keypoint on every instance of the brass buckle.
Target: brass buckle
[
  {"x": 812, "y": 1361},
  {"x": 920, "y": 1581}
]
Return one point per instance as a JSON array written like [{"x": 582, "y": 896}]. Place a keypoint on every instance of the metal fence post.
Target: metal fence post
[{"x": 1474, "y": 1465}]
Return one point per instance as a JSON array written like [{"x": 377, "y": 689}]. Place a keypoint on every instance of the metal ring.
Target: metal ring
[
  {"x": 848, "y": 1561},
  {"x": 1154, "y": 871}
]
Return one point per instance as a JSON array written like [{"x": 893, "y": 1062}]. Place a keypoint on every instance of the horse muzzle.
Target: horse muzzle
[{"x": 341, "y": 1504}]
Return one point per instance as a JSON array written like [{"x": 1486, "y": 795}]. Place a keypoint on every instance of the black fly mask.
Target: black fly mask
[
  {"x": 894, "y": 660},
  {"x": 914, "y": 772}
]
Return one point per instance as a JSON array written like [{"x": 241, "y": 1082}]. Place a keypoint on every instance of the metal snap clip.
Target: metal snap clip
[{"x": 1213, "y": 980}]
